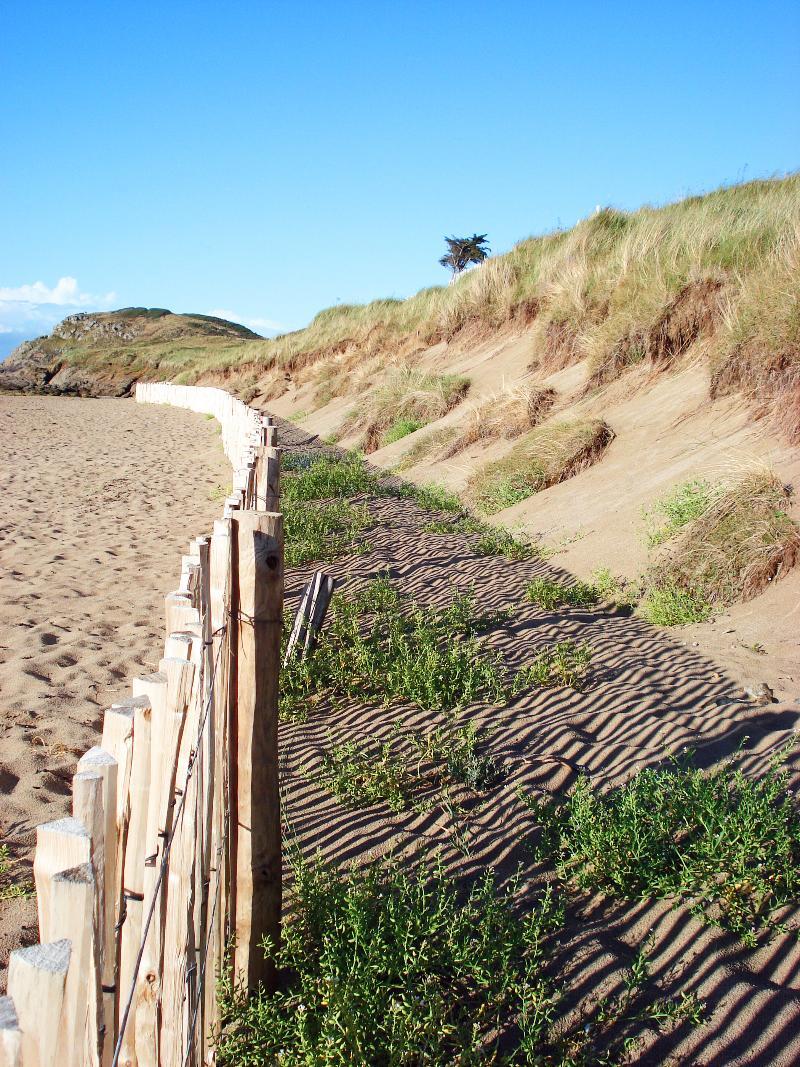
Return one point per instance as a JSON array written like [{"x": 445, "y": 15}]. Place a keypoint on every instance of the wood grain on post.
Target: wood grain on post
[
  {"x": 216, "y": 933},
  {"x": 154, "y": 688},
  {"x": 60, "y": 845},
  {"x": 178, "y": 937},
  {"x": 100, "y": 762},
  {"x": 10, "y": 1035},
  {"x": 87, "y": 806},
  {"x": 205, "y": 795},
  {"x": 179, "y": 612},
  {"x": 256, "y": 621},
  {"x": 267, "y": 479},
  {"x": 36, "y": 980},
  {"x": 71, "y": 916},
  {"x": 166, "y": 729}
]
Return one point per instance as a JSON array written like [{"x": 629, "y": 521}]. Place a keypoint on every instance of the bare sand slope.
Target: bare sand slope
[
  {"x": 99, "y": 499},
  {"x": 667, "y": 432}
]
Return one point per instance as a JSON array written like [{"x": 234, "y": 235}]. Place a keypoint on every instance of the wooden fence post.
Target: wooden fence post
[
  {"x": 256, "y": 622},
  {"x": 268, "y": 479},
  {"x": 10, "y": 1035},
  {"x": 98, "y": 761},
  {"x": 36, "y": 980}
]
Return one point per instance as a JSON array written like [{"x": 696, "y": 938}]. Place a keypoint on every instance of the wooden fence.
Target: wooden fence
[{"x": 172, "y": 852}]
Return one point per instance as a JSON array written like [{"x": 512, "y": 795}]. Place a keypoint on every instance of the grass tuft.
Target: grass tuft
[
  {"x": 730, "y": 549},
  {"x": 405, "y": 398},
  {"x": 506, "y": 415},
  {"x": 549, "y": 594},
  {"x": 564, "y": 663},
  {"x": 683, "y": 505},
  {"x": 548, "y": 455},
  {"x": 668, "y": 604}
]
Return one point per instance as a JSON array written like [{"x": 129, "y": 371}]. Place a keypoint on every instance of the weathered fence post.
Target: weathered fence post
[{"x": 256, "y": 621}]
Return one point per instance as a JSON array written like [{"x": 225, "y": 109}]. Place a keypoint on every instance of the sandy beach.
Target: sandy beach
[{"x": 99, "y": 500}]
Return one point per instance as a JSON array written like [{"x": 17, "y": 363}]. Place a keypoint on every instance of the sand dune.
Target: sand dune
[{"x": 99, "y": 499}]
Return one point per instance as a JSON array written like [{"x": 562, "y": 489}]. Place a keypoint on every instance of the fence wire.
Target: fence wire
[{"x": 193, "y": 762}]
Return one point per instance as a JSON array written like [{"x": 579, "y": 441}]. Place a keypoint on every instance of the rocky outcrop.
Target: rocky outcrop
[{"x": 98, "y": 354}]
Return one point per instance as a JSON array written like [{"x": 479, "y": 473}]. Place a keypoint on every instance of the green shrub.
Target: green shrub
[
  {"x": 432, "y": 497},
  {"x": 376, "y": 644},
  {"x": 728, "y": 846},
  {"x": 363, "y": 774},
  {"x": 670, "y": 605},
  {"x": 322, "y": 531},
  {"x": 399, "y": 429},
  {"x": 564, "y": 663},
  {"x": 323, "y": 477},
  {"x": 683, "y": 505},
  {"x": 396, "y": 967},
  {"x": 549, "y": 594}
]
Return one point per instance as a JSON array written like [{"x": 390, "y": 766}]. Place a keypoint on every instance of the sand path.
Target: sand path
[
  {"x": 99, "y": 499},
  {"x": 647, "y": 695}
]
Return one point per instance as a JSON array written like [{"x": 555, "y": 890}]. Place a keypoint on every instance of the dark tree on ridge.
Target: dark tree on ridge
[{"x": 465, "y": 250}]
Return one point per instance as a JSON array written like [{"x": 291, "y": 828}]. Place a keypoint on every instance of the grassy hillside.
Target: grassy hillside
[{"x": 619, "y": 289}]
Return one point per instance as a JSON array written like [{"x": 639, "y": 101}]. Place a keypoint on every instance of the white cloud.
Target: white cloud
[
  {"x": 252, "y": 322},
  {"x": 38, "y": 307}
]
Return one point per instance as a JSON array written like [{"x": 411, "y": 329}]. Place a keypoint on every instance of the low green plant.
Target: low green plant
[
  {"x": 670, "y": 605},
  {"x": 549, "y": 594},
  {"x": 390, "y": 966},
  {"x": 683, "y": 505},
  {"x": 9, "y": 889},
  {"x": 323, "y": 477},
  {"x": 727, "y": 845},
  {"x": 400, "y": 428},
  {"x": 431, "y": 497},
  {"x": 613, "y": 589},
  {"x": 494, "y": 540},
  {"x": 563, "y": 663},
  {"x": 400, "y": 966},
  {"x": 298, "y": 416},
  {"x": 361, "y": 774},
  {"x": 378, "y": 644},
  {"x": 322, "y": 531},
  {"x": 456, "y": 751}
]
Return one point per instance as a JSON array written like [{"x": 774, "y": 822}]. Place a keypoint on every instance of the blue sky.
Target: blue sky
[{"x": 265, "y": 160}]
